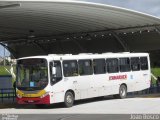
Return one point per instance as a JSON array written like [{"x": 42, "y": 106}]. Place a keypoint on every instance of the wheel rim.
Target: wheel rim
[
  {"x": 123, "y": 91},
  {"x": 69, "y": 99}
]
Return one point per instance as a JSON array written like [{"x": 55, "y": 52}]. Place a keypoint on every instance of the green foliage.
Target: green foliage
[
  {"x": 6, "y": 62},
  {"x": 3, "y": 71},
  {"x": 156, "y": 72}
]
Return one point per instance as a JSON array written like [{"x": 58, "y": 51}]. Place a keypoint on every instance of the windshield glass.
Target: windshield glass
[{"x": 32, "y": 74}]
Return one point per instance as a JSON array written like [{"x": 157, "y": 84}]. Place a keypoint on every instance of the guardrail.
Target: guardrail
[{"x": 8, "y": 93}]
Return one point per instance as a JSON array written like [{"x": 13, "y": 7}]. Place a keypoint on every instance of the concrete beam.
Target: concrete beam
[{"x": 122, "y": 42}]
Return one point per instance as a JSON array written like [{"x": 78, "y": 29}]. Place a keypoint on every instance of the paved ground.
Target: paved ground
[{"x": 92, "y": 106}]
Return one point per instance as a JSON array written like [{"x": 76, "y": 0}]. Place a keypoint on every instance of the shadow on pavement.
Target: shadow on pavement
[
  {"x": 77, "y": 103},
  {"x": 53, "y": 106}
]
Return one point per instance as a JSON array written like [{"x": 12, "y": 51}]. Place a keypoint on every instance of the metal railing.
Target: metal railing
[
  {"x": 151, "y": 90},
  {"x": 10, "y": 93},
  {"x": 7, "y": 94}
]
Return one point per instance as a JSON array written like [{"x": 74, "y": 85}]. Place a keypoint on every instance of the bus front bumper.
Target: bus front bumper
[{"x": 33, "y": 100}]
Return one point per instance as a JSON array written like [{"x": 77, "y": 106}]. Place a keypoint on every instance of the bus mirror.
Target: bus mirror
[{"x": 53, "y": 70}]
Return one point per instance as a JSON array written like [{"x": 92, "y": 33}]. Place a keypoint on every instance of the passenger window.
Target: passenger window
[
  {"x": 99, "y": 66},
  {"x": 124, "y": 64},
  {"x": 70, "y": 68},
  {"x": 144, "y": 63},
  {"x": 85, "y": 67},
  {"x": 112, "y": 65},
  {"x": 135, "y": 64}
]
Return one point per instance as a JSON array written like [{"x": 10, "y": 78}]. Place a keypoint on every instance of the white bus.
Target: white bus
[{"x": 66, "y": 78}]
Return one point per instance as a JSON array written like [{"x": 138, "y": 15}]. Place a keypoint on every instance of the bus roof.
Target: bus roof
[{"x": 87, "y": 56}]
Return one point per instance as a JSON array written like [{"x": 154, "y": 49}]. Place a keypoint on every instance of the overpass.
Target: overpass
[{"x": 41, "y": 27}]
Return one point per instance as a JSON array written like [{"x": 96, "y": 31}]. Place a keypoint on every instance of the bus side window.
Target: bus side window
[
  {"x": 112, "y": 65},
  {"x": 144, "y": 63},
  {"x": 70, "y": 68},
  {"x": 124, "y": 64},
  {"x": 85, "y": 67},
  {"x": 135, "y": 64},
  {"x": 99, "y": 66}
]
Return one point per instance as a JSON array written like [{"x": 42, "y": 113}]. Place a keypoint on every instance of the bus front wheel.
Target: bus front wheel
[{"x": 69, "y": 99}]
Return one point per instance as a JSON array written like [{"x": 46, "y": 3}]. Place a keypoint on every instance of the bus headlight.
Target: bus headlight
[
  {"x": 44, "y": 95},
  {"x": 19, "y": 96}
]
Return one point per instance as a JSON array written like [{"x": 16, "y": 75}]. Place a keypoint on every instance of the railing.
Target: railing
[
  {"x": 151, "y": 90},
  {"x": 7, "y": 93},
  {"x": 10, "y": 93}
]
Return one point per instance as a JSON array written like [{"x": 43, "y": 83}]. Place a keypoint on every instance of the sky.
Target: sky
[
  {"x": 2, "y": 52},
  {"x": 151, "y": 7},
  {"x": 147, "y": 6}
]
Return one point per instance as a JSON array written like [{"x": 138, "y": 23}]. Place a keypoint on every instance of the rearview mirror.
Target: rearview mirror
[{"x": 53, "y": 70}]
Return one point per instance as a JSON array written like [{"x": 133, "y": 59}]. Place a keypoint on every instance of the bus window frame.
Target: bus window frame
[
  {"x": 146, "y": 62},
  {"x": 128, "y": 65},
  {"x": 73, "y": 74},
  {"x": 105, "y": 69},
  {"x": 136, "y": 64},
  {"x": 91, "y": 66}
]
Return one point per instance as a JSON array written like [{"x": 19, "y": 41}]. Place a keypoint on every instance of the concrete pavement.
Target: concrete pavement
[{"x": 92, "y": 106}]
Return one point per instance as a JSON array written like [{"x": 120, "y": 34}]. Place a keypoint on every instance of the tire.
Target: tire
[
  {"x": 68, "y": 99},
  {"x": 122, "y": 92}
]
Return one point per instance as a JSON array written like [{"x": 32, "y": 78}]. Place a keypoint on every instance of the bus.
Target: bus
[{"x": 65, "y": 78}]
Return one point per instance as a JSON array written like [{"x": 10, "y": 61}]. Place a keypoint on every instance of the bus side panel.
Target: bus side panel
[
  {"x": 144, "y": 81},
  {"x": 56, "y": 97},
  {"x": 81, "y": 86},
  {"x": 133, "y": 78},
  {"x": 57, "y": 92},
  {"x": 143, "y": 78},
  {"x": 102, "y": 86}
]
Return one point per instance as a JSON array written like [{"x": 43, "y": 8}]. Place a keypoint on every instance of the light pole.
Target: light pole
[{"x": 4, "y": 62}]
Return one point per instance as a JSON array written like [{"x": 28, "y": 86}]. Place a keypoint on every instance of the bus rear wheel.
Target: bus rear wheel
[
  {"x": 69, "y": 99},
  {"x": 122, "y": 92}
]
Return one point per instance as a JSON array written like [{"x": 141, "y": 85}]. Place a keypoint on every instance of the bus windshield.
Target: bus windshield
[{"x": 32, "y": 74}]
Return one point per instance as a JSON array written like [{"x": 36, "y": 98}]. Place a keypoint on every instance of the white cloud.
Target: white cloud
[{"x": 147, "y": 6}]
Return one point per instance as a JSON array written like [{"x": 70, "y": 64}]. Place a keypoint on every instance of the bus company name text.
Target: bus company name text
[{"x": 118, "y": 77}]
